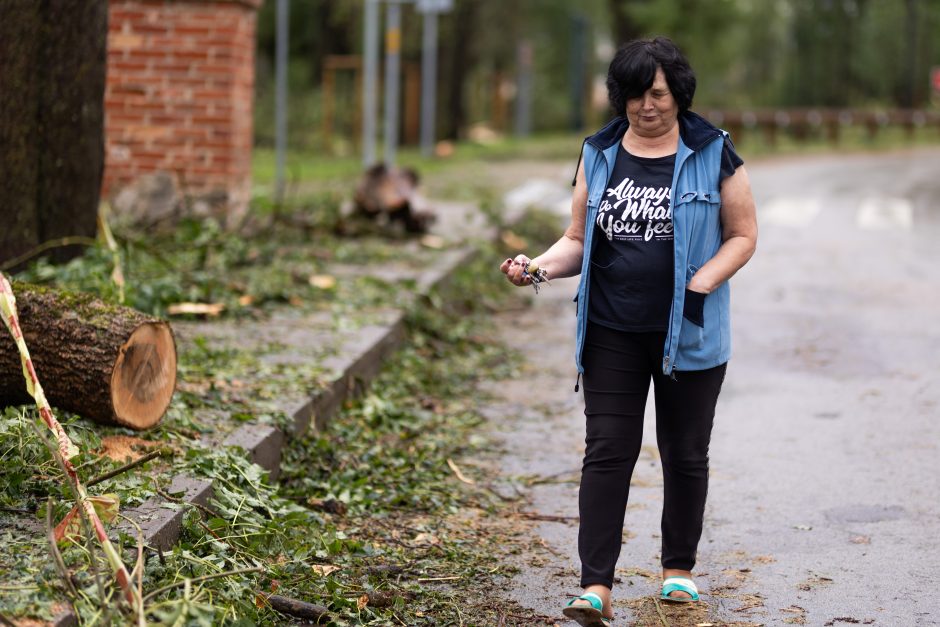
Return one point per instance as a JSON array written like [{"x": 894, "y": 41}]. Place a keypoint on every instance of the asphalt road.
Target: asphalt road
[{"x": 824, "y": 502}]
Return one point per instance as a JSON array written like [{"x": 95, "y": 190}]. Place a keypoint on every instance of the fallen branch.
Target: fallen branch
[
  {"x": 17, "y": 510},
  {"x": 187, "y": 581},
  {"x": 56, "y": 554},
  {"x": 547, "y": 517},
  {"x": 457, "y": 472},
  {"x": 385, "y": 569},
  {"x": 137, "y": 462},
  {"x": 117, "y": 274},
  {"x": 385, "y": 598},
  {"x": 175, "y": 499},
  {"x": 298, "y": 609},
  {"x": 71, "y": 240},
  {"x": 662, "y": 615},
  {"x": 138, "y": 570}
]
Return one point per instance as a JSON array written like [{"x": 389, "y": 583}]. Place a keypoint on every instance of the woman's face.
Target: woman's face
[{"x": 655, "y": 112}]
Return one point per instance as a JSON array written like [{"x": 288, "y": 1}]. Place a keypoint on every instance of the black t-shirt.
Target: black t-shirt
[{"x": 632, "y": 260}]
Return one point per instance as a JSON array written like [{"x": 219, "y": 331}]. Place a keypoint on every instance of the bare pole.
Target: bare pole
[
  {"x": 370, "y": 76},
  {"x": 524, "y": 60},
  {"x": 428, "y": 82},
  {"x": 280, "y": 106},
  {"x": 392, "y": 70}
]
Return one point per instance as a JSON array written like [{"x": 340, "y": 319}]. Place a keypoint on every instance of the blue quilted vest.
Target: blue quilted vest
[{"x": 695, "y": 202}]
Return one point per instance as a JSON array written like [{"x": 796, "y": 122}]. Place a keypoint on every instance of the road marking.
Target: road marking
[
  {"x": 792, "y": 211},
  {"x": 877, "y": 214}
]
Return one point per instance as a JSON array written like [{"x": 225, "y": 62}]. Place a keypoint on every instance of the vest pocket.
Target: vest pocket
[{"x": 691, "y": 336}]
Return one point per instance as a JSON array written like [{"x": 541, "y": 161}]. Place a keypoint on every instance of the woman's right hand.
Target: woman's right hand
[{"x": 514, "y": 269}]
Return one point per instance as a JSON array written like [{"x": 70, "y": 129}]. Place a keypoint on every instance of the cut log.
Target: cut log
[
  {"x": 390, "y": 195},
  {"x": 111, "y": 364}
]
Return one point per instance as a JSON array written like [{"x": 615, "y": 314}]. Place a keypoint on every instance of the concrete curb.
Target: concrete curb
[{"x": 353, "y": 370}]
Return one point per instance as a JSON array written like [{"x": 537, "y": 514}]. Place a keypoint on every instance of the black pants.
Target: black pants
[{"x": 618, "y": 367}]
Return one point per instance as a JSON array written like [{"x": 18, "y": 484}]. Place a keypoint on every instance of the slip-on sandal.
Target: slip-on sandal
[
  {"x": 587, "y": 616},
  {"x": 684, "y": 584}
]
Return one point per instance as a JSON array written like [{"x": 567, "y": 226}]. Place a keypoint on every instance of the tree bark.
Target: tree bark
[
  {"x": 108, "y": 363},
  {"x": 71, "y": 104},
  {"x": 53, "y": 60},
  {"x": 20, "y": 28}
]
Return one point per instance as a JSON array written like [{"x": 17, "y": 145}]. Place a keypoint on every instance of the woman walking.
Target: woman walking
[{"x": 662, "y": 217}]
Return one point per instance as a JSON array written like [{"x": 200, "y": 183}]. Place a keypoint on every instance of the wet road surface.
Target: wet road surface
[{"x": 824, "y": 501}]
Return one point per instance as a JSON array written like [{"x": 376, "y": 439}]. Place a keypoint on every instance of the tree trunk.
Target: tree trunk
[
  {"x": 111, "y": 364},
  {"x": 71, "y": 105},
  {"x": 623, "y": 28},
  {"x": 20, "y": 27},
  {"x": 463, "y": 57},
  {"x": 53, "y": 60}
]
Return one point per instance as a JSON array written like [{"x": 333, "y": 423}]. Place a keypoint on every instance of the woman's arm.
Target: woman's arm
[
  {"x": 738, "y": 234},
  {"x": 564, "y": 257}
]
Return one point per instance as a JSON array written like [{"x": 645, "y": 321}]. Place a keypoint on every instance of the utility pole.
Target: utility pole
[
  {"x": 370, "y": 79},
  {"x": 430, "y": 10},
  {"x": 525, "y": 54},
  {"x": 576, "y": 70},
  {"x": 392, "y": 71}
]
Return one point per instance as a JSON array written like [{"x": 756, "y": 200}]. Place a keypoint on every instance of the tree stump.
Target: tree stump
[{"x": 108, "y": 363}]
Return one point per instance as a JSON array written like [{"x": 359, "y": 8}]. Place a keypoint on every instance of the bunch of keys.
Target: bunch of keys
[{"x": 537, "y": 274}]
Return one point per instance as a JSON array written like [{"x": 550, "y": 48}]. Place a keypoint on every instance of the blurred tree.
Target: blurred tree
[
  {"x": 623, "y": 26},
  {"x": 317, "y": 28},
  {"x": 459, "y": 52},
  {"x": 53, "y": 55},
  {"x": 745, "y": 52},
  {"x": 703, "y": 29}
]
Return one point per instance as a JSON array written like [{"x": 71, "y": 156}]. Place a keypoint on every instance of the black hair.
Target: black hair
[{"x": 633, "y": 70}]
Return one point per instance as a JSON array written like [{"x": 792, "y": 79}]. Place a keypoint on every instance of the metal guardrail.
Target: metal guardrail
[{"x": 802, "y": 124}]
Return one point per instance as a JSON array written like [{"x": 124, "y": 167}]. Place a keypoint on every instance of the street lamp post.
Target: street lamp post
[
  {"x": 430, "y": 9},
  {"x": 370, "y": 76}
]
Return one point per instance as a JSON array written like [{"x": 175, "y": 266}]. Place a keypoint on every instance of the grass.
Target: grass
[
  {"x": 311, "y": 166},
  {"x": 339, "y": 172}
]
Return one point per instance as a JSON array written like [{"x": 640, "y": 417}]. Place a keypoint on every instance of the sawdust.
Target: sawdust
[
  {"x": 815, "y": 581},
  {"x": 122, "y": 448},
  {"x": 650, "y": 611},
  {"x": 798, "y": 615}
]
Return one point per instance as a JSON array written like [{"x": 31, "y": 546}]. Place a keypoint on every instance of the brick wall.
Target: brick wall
[{"x": 179, "y": 95}]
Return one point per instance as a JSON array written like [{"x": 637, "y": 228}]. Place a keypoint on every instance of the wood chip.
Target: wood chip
[
  {"x": 198, "y": 309},
  {"x": 459, "y": 474},
  {"x": 323, "y": 281},
  {"x": 433, "y": 241},
  {"x": 513, "y": 241},
  {"x": 324, "y": 569}
]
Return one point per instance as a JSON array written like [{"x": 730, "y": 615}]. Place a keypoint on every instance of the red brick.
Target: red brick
[
  {"x": 197, "y": 32},
  {"x": 124, "y": 67}
]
